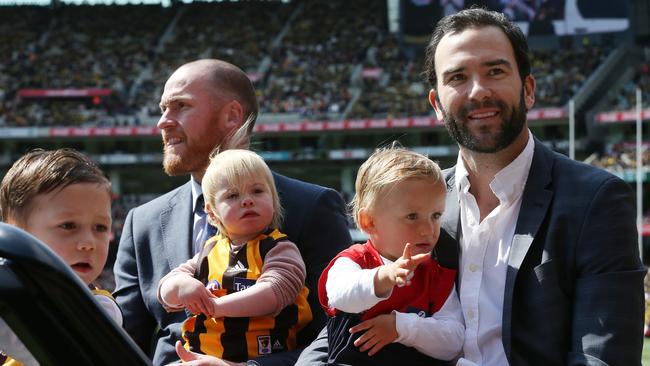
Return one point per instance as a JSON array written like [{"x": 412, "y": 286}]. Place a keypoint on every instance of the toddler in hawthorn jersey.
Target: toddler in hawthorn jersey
[{"x": 245, "y": 289}]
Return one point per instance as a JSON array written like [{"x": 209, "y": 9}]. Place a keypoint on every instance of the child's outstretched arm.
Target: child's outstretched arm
[
  {"x": 352, "y": 289},
  {"x": 179, "y": 290},
  {"x": 282, "y": 278},
  {"x": 397, "y": 273}
]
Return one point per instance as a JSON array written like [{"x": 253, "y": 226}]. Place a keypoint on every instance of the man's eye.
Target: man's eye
[
  {"x": 67, "y": 226},
  {"x": 412, "y": 216},
  {"x": 456, "y": 77},
  {"x": 436, "y": 216},
  {"x": 496, "y": 71}
]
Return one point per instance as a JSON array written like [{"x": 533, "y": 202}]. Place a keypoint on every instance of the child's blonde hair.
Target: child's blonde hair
[
  {"x": 237, "y": 166},
  {"x": 385, "y": 168}
]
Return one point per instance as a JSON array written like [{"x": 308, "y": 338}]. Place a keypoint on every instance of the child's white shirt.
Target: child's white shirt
[{"x": 351, "y": 289}]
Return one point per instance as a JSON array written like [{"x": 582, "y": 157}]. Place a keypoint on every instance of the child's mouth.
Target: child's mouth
[{"x": 82, "y": 267}]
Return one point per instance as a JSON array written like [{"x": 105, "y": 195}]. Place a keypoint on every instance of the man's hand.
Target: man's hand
[
  {"x": 380, "y": 331},
  {"x": 190, "y": 358}
]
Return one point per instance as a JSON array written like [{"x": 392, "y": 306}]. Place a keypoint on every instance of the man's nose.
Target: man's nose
[
  {"x": 166, "y": 120},
  {"x": 478, "y": 90}
]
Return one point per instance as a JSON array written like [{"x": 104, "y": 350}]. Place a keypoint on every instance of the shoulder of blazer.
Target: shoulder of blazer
[
  {"x": 286, "y": 184},
  {"x": 165, "y": 201},
  {"x": 565, "y": 172}
]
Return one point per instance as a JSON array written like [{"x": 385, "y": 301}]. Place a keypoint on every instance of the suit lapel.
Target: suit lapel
[
  {"x": 176, "y": 226},
  {"x": 447, "y": 250},
  {"x": 451, "y": 217},
  {"x": 535, "y": 202}
]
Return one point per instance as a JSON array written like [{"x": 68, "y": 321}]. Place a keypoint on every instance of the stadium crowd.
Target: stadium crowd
[{"x": 350, "y": 67}]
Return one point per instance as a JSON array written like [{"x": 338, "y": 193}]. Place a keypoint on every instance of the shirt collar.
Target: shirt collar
[
  {"x": 196, "y": 192},
  {"x": 508, "y": 184}
]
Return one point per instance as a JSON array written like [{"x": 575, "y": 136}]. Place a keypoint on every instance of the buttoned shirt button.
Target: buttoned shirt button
[{"x": 473, "y": 267}]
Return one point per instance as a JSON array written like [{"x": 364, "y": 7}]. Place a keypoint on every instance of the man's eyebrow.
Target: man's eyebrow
[
  {"x": 498, "y": 62},
  {"x": 452, "y": 71},
  {"x": 168, "y": 100}
]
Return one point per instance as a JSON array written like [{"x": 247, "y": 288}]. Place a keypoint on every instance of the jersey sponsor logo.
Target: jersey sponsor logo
[
  {"x": 264, "y": 344},
  {"x": 240, "y": 284}
]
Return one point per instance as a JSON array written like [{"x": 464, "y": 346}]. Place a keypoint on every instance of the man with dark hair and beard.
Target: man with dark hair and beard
[
  {"x": 549, "y": 269},
  {"x": 546, "y": 247},
  {"x": 203, "y": 103}
]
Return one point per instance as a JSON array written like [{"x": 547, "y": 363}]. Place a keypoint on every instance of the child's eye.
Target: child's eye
[
  {"x": 258, "y": 190},
  {"x": 67, "y": 226},
  {"x": 101, "y": 228},
  {"x": 232, "y": 196},
  {"x": 412, "y": 216}
]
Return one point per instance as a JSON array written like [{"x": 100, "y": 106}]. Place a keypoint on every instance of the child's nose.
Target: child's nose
[
  {"x": 247, "y": 202},
  {"x": 86, "y": 243}
]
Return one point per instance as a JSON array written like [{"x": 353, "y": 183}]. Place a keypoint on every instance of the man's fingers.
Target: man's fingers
[{"x": 184, "y": 354}]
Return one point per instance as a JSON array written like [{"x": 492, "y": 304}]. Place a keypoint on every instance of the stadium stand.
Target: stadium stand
[{"x": 333, "y": 82}]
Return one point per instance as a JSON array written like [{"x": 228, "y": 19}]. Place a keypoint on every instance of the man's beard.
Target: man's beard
[
  {"x": 510, "y": 128},
  {"x": 177, "y": 165}
]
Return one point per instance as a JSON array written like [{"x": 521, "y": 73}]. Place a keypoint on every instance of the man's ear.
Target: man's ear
[
  {"x": 435, "y": 105},
  {"x": 529, "y": 91},
  {"x": 366, "y": 221},
  {"x": 234, "y": 115}
]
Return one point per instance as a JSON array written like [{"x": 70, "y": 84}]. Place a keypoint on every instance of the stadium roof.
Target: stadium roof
[{"x": 101, "y": 2}]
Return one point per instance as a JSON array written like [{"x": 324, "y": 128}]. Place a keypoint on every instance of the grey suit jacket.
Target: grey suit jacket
[
  {"x": 574, "y": 285},
  {"x": 157, "y": 237}
]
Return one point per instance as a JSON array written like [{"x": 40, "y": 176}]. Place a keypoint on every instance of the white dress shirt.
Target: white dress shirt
[
  {"x": 485, "y": 248},
  {"x": 351, "y": 289},
  {"x": 199, "y": 221}
]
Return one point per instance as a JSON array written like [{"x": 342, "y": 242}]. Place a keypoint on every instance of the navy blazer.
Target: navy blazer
[
  {"x": 157, "y": 237},
  {"x": 574, "y": 284}
]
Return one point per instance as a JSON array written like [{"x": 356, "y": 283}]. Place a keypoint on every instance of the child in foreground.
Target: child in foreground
[
  {"x": 388, "y": 300},
  {"x": 63, "y": 199},
  {"x": 246, "y": 286}
]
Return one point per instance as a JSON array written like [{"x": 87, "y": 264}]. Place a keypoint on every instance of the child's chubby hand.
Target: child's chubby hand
[
  {"x": 380, "y": 331},
  {"x": 400, "y": 270},
  {"x": 193, "y": 295}
]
